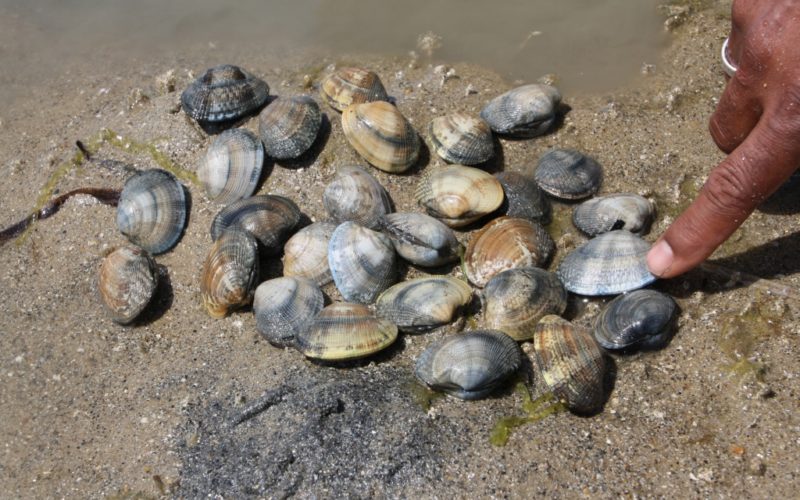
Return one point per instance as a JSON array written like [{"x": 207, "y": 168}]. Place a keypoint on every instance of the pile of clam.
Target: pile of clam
[{"x": 360, "y": 246}]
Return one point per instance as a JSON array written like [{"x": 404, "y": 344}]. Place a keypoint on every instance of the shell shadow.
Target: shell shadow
[
  {"x": 496, "y": 163},
  {"x": 423, "y": 160},
  {"x": 310, "y": 157},
  {"x": 786, "y": 200},
  {"x": 161, "y": 302}
]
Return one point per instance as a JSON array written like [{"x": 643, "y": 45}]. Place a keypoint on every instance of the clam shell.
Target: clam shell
[
  {"x": 152, "y": 210},
  {"x": 421, "y": 239},
  {"x": 506, "y": 243},
  {"x": 381, "y": 135},
  {"x": 270, "y": 218},
  {"x": 229, "y": 273},
  {"x": 306, "y": 253},
  {"x": 127, "y": 283},
  {"x": 460, "y": 138},
  {"x": 362, "y": 262},
  {"x": 423, "y": 303},
  {"x": 641, "y": 318},
  {"x": 612, "y": 263},
  {"x": 615, "y": 211},
  {"x": 344, "y": 331},
  {"x": 289, "y": 126},
  {"x": 347, "y": 86},
  {"x": 284, "y": 307},
  {"x": 525, "y": 111},
  {"x": 571, "y": 363},
  {"x": 523, "y": 198},
  {"x": 517, "y": 299},
  {"x": 568, "y": 174},
  {"x": 355, "y": 195},
  {"x": 459, "y": 195},
  {"x": 469, "y": 365},
  {"x": 223, "y": 93},
  {"x": 232, "y": 165}
]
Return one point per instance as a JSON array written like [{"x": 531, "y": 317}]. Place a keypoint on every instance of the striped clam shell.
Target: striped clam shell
[
  {"x": 614, "y": 211},
  {"x": 306, "y": 253},
  {"x": 642, "y": 319},
  {"x": 270, "y": 218},
  {"x": 362, "y": 262},
  {"x": 381, "y": 135},
  {"x": 525, "y": 111},
  {"x": 460, "y": 138},
  {"x": 284, "y": 307},
  {"x": 232, "y": 166},
  {"x": 355, "y": 195},
  {"x": 421, "y": 239},
  {"x": 423, "y": 303},
  {"x": 224, "y": 93},
  {"x": 568, "y": 174},
  {"x": 289, "y": 126},
  {"x": 127, "y": 283},
  {"x": 347, "y": 86},
  {"x": 458, "y": 195},
  {"x": 229, "y": 273},
  {"x": 524, "y": 198},
  {"x": 152, "y": 210}
]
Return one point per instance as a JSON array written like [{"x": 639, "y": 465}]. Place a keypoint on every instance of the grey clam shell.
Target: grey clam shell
[
  {"x": 524, "y": 198},
  {"x": 355, "y": 195},
  {"x": 128, "y": 281},
  {"x": 615, "y": 211},
  {"x": 612, "y": 263},
  {"x": 289, "y": 126},
  {"x": 458, "y": 195},
  {"x": 362, "y": 262},
  {"x": 421, "y": 239},
  {"x": 460, "y": 138},
  {"x": 306, "y": 253},
  {"x": 232, "y": 166},
  {"x": 469, "y": 365},
  {"x": 568, "y": 174},
  {"x": 229, "y": 272},
  {"x": 525, "y": 111},
  {"x": 423, "y": 303},
  {"x": 152, "y": 210},
  {"x": 347, "y": 86},
  {"x": 642, "y": 318},
  {"x": 224, "y": 93},
  {"x": 270, "y": 218},
  {"x": 284, "y": 307}
]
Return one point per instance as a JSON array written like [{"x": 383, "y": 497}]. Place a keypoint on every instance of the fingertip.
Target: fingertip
[{"x": 660, "y": 259}]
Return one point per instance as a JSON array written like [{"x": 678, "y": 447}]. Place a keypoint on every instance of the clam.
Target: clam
[
  {"x": 347, "y": 86},
  {"x": 642, "y": 318},
  {"x": 460, "y": 138},
  {"x": 421, "y": 239},
  {"x": 469, "y": 365},
  {"x": 612, "y": 263},
  {"x": 232, "y": 165},
  {"x": 362, "y": 262},
  {"x": 568, "y": 174},
  {"x": 357, "y": 196},
  {"x": 152, "y": 210},
  {"x": 224, "y": 93},
  {"x": 284, "y": 307},
  {"x": 571, "y": 363},
  {"x": 289, "y": 126},
  {"x": 229, "y": 272},
  {"x": 523, "y": 198},
  {"x": 615, "y": 211},
  {"x": 423, "y": 303},
  {"x": 459, "y": 195},
  {"x": 525, "y": 111},
  {"x": 306, "y": 253},
  {"x": 506, "y": 243},
  {"x": 128, "y": 281},
  {"x": 381, "y": 135},
  {"x": 518, "y": 298},
  {"x": 270, "y": 218},
  {"x": 344, "y": 331}
]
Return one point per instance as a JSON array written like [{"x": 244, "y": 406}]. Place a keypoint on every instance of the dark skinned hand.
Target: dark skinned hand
[{"x": 757, "y": 122}]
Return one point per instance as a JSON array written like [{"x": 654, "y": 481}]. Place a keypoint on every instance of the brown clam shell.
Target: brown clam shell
[
  {"x": 381, "y": 135},
  {"x": 229, "y": 273},
  {"x": 459, "y": 195},
  {"x": 128, "y": 281},
  {"x": 347, "y": 86}
]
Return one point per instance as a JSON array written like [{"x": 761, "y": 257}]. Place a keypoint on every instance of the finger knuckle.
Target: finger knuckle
[{"x": 729, "y": 191}]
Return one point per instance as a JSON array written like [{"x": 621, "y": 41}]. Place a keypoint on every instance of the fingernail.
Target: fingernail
[{"x": 660, "y": 258}]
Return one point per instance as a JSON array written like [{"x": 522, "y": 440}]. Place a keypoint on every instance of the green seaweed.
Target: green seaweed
[
  {"x": 111, "y": 138},
  {"x": 740, "y": 334},
  {"x": 536, "y": 410},
  {"x": 423, "y": 396}
]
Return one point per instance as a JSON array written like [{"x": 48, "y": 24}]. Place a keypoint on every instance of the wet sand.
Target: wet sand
[{"x": 89, "y": 408}]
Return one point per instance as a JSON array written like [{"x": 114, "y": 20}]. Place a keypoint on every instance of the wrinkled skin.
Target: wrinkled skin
[{"x": 757, "y": 122}]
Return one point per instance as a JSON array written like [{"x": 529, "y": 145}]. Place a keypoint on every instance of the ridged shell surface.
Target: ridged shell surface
[
  {"x": 518, "y": 298},
  {"x": 615, "y": 211},
  {"x": 568, "y": 174},
  {"x": 229, "y": 273},
  {"x": 232, "y": 166},
  {"x": 469, "y": 365},
  {"x": 421, "y": 239},
  {"x": 270, "y": 218},
  {"x": 362, "y": 262},
  {"x": 423, "y": 303},
  {"x": 345, "y": 331},
  {"x": 459, "y": 195},
  {"x": 460, "y": 138},
  {"x": 641, "y": 318},
  {"x": 284, "y": 307},
  {"x": 152, "y": 210},
  {"x": 289, "y": 126},
  {"x": 347, "y": 86},
  {"x": 355, "y": 195},
  {"x": 571, "y": 363},
  {"x": 128, "y": 281},
  {"x": 306, "y": 253},
  {"x": 612, "y": 263},
  {"x": 523, "y": 198},
  {"x": 525, "y": 111},
  {"x": 506, "y": 243},
  {"x": 381, "y": 135},
  {"x": 223, "y": 93}
]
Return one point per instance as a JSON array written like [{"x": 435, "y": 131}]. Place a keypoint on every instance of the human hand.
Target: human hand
[{"x": 757, "y": 122}]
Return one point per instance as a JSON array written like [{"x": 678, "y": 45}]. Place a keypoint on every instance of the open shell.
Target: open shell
[
  {"x": 459, "y": 195},
  {"x": 460, "y": 138},
  {"x": 525, "y": 111},
  {"x": 362, "y": 262},
  {"x": 229, "y": 273},
  {"x": 232, "y": 166},
  {"x": 355, "y": 195},
  {"x": 284, "y": 307},
  {"x": 568, "y": 174},
  {"x": 615, "y": 211},
  {"x": 289, "y": 126},
  {"x": 381, "y": 135},
  {"x": 128, "y": 281},
  {"x": 306, "y": 253},
  {"x": 423, "y": 303},
  {"x": 270, "y": 218},
  {"x": 421, "y": 239},
  {"x": 347, "y": 86},
  {"x": 224, "y": 93},
  {"x": 642, "y": 318}
]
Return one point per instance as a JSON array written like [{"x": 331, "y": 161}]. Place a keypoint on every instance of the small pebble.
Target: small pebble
[{"x": 757, "y": 467}]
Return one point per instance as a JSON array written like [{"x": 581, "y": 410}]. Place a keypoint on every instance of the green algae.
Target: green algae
[
  {"x": 423, "y": 396},
  {"x": 740, "y": 334},
  {"x": 535, "y": 410}
]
